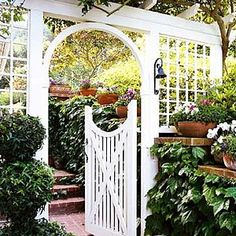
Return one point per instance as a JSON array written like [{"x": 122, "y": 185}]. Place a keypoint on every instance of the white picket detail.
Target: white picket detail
[{"x": 110, "y": 177}]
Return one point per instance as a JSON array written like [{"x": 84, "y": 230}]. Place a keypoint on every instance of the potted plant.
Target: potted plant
[
  {"x": 194, "y": 119},
  {"x": 224, "y": 147},
  {"x": 122, "y": 103},
  {"x": 59, "y": 87},
  {"x": 107, "y": 95},
  {"x": 87, "y": 88}
]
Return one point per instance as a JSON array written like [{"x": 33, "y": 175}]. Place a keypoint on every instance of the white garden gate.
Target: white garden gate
[{"x": 110, "y": 175}]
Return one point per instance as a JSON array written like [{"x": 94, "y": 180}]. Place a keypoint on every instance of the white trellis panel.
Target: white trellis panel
[
  {"x": 110, "y": 177},
  {"x": 187, "y": 65}
]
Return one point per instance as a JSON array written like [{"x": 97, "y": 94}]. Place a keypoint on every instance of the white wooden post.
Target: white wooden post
[
  {"x": 131, "y": 171},
  {"x": 216, "y": 67},
  {"x": 37, "y": 91},
  {"x": 149, "y": 123}
]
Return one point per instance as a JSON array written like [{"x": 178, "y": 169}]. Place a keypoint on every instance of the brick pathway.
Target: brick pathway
[{"x": 74, "y": 223}]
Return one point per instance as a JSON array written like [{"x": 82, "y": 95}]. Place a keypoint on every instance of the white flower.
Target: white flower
[
  {"x": 234, "y": 122},
  {"x": 224, "y": 126},
  {"x": 220, "y": 139},
  {"x": 212, "y": 133}
]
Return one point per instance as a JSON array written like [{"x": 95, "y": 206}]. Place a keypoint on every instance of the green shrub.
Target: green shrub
[
  {"x": 186, "y": 201},
  {"x": 38, "y": 228},
  {"x": 231, "y": 145},
  {"x": 20, "y": 137},
  {"x": 25, "y": 188},
  {"x": 225, "y": 96},
  {"x": 123, "y": 75}
]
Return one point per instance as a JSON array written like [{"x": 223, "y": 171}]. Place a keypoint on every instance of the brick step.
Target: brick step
[
  {"x": 67, "y": 191},
  {"x": 66, "y": 206},
  {"x": 59, "y": 174}
]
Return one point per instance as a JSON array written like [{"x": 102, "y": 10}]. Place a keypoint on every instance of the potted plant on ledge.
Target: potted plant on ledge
[
  {"x": 224, "y": 147},
  {"x": 195, "y": 119},
  {"x": 122, "y": 103},
  {"x": 107, "y": 95},
  {"x": 87, "y": 88},
  {"x": 59, "y": 88}
]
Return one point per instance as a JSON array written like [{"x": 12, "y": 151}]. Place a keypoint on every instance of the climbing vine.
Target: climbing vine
[{"x": 186, "y": 201}]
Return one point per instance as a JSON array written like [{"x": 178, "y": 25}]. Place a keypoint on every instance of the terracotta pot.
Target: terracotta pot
[
  {"x": 88, "y": 91},
  {"x": 194, "y": 128},
  {"x": 218, "y": 157},
  {"x": 229, "y": 161},
  {"x": 121, "y": 111},
  {"x": 107, "y": 98},
  {"x": 60, "y": 88}
]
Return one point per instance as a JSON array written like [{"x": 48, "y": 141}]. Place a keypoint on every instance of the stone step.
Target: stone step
[
  {"x": 67, "y": 206},
  {"x": 67, "y": 191},
  {"x": 60, "y": 174}
]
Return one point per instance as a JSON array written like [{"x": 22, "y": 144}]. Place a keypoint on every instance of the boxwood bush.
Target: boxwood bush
[
  {"x": 25, "y": 183},
  {"x": 25, "y": 188},
  {"x": 20, "y": 136}
]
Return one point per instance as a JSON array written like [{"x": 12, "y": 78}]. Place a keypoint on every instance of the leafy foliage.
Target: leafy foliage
[
  {"x": 20, "y": 136},
  {"x": 203, "y": 112},
  {"x": 186, "y": 201},
  {"x": 127, "y": 77},
  {"x": 231, "y": 145},
  {"x": 225, "y": 95},
  {"x": 66, "y": 130},
  {"x": 25, "y": 189},
  {"x": 38, "y": 228}
]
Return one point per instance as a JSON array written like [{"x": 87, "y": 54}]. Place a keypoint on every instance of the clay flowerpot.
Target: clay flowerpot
[
  {"x": 229, "y": 161},
  {"x": 107, "y": 98},
  {"x": 60, "y": 88},
  {"x": 121, "y": 111},
  {"x": 194, "y": 128},
  {"x": 88, "y": 91}
]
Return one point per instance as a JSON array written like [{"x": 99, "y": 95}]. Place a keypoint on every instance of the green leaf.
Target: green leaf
[
  {"x": 227, "y": 220},
  {"x": 198, "y": 152},
  {"x": 219, "y": 205},
  {"x": 231, "y": 192}
]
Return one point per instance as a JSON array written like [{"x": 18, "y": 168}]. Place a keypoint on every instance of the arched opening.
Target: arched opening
[{"x": 91, "y": 26}]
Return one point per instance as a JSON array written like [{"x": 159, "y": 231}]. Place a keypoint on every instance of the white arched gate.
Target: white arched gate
[{"x": 110, "y": 177}]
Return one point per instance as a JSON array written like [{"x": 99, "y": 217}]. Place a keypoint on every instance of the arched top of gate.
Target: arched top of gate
[{"x": 92, "y": 26}]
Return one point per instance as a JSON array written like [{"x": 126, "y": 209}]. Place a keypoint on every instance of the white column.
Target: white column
[
  {"x": 216, "y": 67},
  {"x": 150, "y": 123},
  {"x": 37, "y": 90}
]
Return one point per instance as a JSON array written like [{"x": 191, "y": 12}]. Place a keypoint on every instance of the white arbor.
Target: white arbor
[{"x": 178, "y": 41}]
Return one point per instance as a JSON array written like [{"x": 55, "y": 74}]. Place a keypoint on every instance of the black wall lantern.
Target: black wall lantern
[{"x": 158, "y": 73}]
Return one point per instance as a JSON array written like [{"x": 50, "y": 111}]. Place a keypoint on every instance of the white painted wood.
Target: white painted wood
[
  {"x": 190, "y": 12},
  {"x": 105, "y": 213},
  {"x": 90, "y": 26},
  {"x": 130, "y": 18},
  {"x": 148, "y": 4},
  {"x": 37, "y": 93},
  {"x": 150, "y": 123}
]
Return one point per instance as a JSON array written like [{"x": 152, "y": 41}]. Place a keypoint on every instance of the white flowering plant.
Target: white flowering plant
[
  {"x": 224, "y": 136},
  {"x": 202, "y": 111}
]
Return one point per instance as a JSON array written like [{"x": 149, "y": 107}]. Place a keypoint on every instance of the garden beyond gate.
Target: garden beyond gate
[{"x": 110, "y": 177}]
